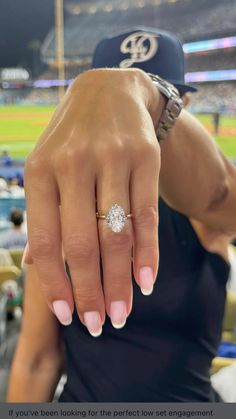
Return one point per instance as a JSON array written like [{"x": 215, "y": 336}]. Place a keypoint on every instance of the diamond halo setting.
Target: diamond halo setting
[{"x": 116, "y": 218}]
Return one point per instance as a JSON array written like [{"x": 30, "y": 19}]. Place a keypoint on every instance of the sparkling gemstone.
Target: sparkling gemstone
[{"x": 116, "y": 218}]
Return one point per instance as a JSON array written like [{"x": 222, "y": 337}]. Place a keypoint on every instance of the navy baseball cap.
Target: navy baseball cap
[{"x": 149, "y": 49}]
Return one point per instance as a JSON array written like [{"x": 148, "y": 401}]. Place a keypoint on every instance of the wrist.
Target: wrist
[{"x": 154, "y": 99}]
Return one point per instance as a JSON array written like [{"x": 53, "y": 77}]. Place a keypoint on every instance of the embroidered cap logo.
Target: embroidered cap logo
[{"x": 142, "y": 46}]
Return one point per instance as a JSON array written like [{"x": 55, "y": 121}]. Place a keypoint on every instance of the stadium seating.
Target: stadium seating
[
  {"x": 3, "y": 319},
  {"x": 214, "y": 97},
  {"x": 228, "y": 332},
  {"x": 9, "y": 272},
  {"x": 186, "y": 18},
  {"x": 191, "y": 20},
  {"x": 229, "y": 325},
  {"x": 16, "y": 255},
  {"x": 217, "y": 60},
  {"x": 41, "y": 97}
]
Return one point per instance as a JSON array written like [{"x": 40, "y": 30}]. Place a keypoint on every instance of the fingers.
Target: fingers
[
  {"x": 144, "y": 203},
  {"x": 45, "y": 238},
  {"x": 80, "y": 243},
  {"x": 115, "y": 247}
]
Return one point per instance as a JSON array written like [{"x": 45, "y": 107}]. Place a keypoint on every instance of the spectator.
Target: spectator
[
  {"x": 14, "y": 237},
  {"x": 4, "y": 191},
  {"x": 216, "y": 122},
  {"x": 6, "y": 160},
  {"x": 15, "y": 189},
  {"x": 165, "y": 351}
]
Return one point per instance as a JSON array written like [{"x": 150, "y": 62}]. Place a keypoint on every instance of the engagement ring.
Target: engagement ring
[{"x": 115, "y": 218}]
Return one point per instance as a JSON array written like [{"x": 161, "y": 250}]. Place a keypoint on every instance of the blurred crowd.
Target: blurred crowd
[
  {"x": 214, "y": 97},
  {"x": 11, "y": 188},
  {"x": 41, "y": 97},
  {"x": 213, "y": 60},
  {"x": 12, "y": 243},
  {"x": 171, "y": 16},
  {"x": 15, "y": 236},
  {"x": 211, "y": 97}
]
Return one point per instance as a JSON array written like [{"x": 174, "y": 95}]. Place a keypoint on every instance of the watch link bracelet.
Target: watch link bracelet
[{"x": 173, "y": 107}]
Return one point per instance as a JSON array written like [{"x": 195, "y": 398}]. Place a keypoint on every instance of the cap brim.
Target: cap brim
[{"x": 184, "y": 88}]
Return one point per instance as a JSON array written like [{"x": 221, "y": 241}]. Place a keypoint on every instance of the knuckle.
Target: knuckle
[
  {"x": 52, "y": 287},
  {"x": 116, "y": 241},
  {"x": 120, "y": 280},
  {"x": 145, "y": 217},
  {"x": 78, "y": 248},
  {"x": 147, "y": 249},
  {"x": 42, "y": 245},
  {"x": 74, "y": 84},
  {"x": 151, "y": 151},
  {"x": 35, "y": 165},
  {"x": 87, "y": 298}
]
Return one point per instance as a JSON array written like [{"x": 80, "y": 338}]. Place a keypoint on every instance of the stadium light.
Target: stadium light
[
  {"x": 92, "y": 9},
  {"x": 59, "y": 35},
  {"x": 108, "y": 8},
  {"x": 210, "y": 44},
  {"x": 141, "y": 4}
]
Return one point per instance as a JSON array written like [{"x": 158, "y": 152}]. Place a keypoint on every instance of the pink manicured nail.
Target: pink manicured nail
[
  {"x": 146, "y": 280},
  {"x": 93, "y": 323},
  {"x": 118, "y": 314},
  {"x": 63, "y": 312}
]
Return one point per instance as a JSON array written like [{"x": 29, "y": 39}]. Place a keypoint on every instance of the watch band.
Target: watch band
[{"x": 173, "y": 107}]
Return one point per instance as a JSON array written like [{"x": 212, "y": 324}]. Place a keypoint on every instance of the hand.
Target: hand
[{"x": 99, "y": 149}]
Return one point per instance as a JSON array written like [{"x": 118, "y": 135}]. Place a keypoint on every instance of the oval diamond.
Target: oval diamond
[{"x": 116, "y": 218}]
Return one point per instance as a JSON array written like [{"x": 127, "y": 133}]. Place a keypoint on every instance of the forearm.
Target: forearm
[
  {"x": 32, "y": 384},
  {"x": 195, "y": 177}
]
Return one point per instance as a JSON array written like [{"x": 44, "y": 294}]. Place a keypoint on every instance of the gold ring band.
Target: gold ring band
[{"x": 104, "y": 217}]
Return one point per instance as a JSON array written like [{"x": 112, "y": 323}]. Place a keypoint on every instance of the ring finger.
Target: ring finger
[{"x": 115, "y": 247}]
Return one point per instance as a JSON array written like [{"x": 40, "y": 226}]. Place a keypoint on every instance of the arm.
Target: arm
[
  {"x": 37, "y": 362},
  {"x": 196, "y": 179}
]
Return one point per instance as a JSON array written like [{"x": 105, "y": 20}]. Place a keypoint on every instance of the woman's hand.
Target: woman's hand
[{"x": 99, "y": 149}]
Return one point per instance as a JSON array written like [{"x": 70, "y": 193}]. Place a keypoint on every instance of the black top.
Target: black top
[{"x": 164, "y": 352}]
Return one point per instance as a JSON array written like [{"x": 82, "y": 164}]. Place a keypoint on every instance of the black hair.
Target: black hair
[{"x": 16, "y": 217}]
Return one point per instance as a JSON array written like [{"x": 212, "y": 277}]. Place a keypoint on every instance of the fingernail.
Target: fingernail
[
  {"x": 24, "y": 265},
  {"x": 93, "y": 323},
  {"x": 118, "y": 314},
  {"x": 146, "y": 280},
  {"x": 63, "y": 312}
]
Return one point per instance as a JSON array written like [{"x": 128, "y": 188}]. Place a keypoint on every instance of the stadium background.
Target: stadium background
[{"x": 29, "y": 42}]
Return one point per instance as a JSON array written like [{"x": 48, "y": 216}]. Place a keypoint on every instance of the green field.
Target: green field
[{"x": 20, "y": 126}]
